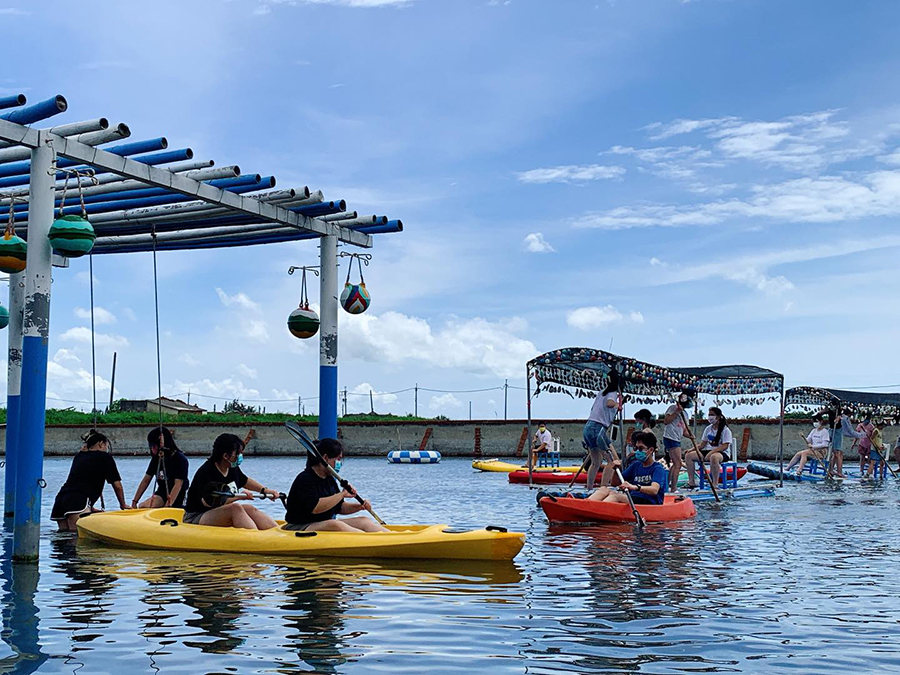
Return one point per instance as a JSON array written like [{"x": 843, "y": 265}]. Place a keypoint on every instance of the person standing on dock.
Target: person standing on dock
[
  {"x": 865, "y": 444},
  {"x": 876, "y": 443},
  {"x": 596, "y": 429},
  {"x": 542, "y": 442},
  {"x": 841, "y": 428},
  {"x": 676, "y": 429}
]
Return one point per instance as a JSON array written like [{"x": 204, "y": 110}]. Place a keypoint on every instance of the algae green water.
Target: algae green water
[{"x": 804, "y": 582}]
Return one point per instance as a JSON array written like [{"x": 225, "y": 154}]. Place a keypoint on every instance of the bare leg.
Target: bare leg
[
  {"x": 332, "y": 525},
  {"x": 837, "y": 459},
  {"x": 155, "y": 502},
  {"x": 608, "y": 472},
  {"x": 365, "y": 524},
  {"x": 63, "y": 525},
  {"x": 617, "y": 497},
  {"x": 72, "y": 521},
  {"x": 262, "y": 520},
  {"x": 593, "y": 468},
  {"x": 804, "y": 455},
  {"x": 794, "y": 460},
  {"x": 675, "y": 458},
  {"x": 690, "y": 459},
  {"x": 230, "y": 515},
  {"x": 600, "y": 494},
  {"x": 715, "y": 467}
]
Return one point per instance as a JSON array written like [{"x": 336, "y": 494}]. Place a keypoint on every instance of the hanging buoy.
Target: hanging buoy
[
  {"x": 303, "y": 323},
  {"x": 355, "y": 298},
  {"x": 71, "y": 236},
  {"x": 13, "y": 250},
  {"x": 4, "y": 317}
]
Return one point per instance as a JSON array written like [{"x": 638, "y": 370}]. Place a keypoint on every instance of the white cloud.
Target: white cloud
[
  {"x": 656, "y": 262},
  {"x": 189, "y": 360},
  {"x": 129, "y": 314},
  {"x": 85, "y": 278},
  {"x": 443, "y": 402},
  {"x": 239, "y": 300},
  {"x": 570, "y": 174},
  {"x": 82, "y": 334},
  {"x": 892, "y": 158},
  {"x": 753, "y": 278},
  {"x": 255, "y": 329},
  {"x": 13, "y": 11},
  {"x": 828, "y": 199},
  {"x": 228, "y": 388},
  {"x": 474, "y": 345},
  {"x": 535, "y": 243},
  {"x": 101, "y": 316},
  {"x": 64, "y": 355},
  {"x": 69, "y": 382},
  {"x": 681, "y": 126},
  {"x": 588, "y": 318},
  {"x": 358, "y": 398},
  {"x": 247, "y": 371}
]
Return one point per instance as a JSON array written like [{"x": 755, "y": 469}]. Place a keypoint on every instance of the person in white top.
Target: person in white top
[
  {"x": 676, "y": 428},
  {"x": 716, "y": 440},
  {"x": 596, "y": 430},
  {"x": 816, "y": 445},
  {"x": 542, "y": 442}
]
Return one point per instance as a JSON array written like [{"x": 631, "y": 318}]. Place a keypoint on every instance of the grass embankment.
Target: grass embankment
[{"x": 55, "y": 417}]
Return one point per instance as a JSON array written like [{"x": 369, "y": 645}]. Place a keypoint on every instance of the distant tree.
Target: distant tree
[{"x": 237, "y": 408}]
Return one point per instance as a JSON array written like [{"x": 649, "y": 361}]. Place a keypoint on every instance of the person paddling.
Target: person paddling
[
  {"x": 214, "y": 497},
  {"x": 91, "y": 468},
  {"x": 316, "y": 499},
  {"x": 596, "y": 429},
  {"x": 716, "y": 441},
  {"x": 644, "y": 478},
  {"x": 170, "y": 467},
  {"x": 816, "y": 445},
  {"x": 841, "y": 428}
]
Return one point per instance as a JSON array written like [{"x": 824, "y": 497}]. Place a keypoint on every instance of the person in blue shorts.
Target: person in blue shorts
[{"x": 644, "y": 478}]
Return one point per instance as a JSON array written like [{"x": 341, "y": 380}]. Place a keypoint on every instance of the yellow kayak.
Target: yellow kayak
[
  {"x": 506, "y": 467},
  {"x": 163, "y": 529}
]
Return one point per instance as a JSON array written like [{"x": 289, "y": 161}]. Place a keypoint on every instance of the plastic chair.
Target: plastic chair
[
  {"x": 724, "y": 480},
  {"x": 551, "y": 457}
]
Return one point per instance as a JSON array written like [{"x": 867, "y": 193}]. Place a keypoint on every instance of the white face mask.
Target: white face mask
[{"x": 818, "y": 425}]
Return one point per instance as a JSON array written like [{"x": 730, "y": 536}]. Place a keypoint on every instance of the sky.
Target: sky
[{"x": 686, "y": 183}]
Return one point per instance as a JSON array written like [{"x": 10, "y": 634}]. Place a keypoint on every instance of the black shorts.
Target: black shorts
[
  {"x": 192, "y": 517},
  {"x": 68, "y": 503}
]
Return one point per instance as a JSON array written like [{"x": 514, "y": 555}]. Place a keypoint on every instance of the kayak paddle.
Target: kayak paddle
[
  {"x": 712, "y": 483},
  {"x": 300, "y": 436}
]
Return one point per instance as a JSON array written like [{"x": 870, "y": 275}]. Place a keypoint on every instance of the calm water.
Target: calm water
[{"x": 803, "y": 582}]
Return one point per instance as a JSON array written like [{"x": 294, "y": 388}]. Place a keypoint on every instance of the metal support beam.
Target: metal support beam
[
  {"x": 13, "y": 388},
  {"x": 151, "y": 175},
  {"x": 328, "y": 337},
  {"x": 36, "y": 330}
]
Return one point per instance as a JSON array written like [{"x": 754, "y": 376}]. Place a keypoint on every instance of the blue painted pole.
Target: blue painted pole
[
  {"x": 37, "y": 112},
  {"x": 36, "y": 330},
  {"x": 13, "y": 388},
  {"x": 13, "y": 101},
  {"x": 328, "y": 337}
]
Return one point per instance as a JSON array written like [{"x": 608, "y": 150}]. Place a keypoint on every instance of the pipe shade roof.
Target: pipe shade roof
[{"x": 860, "y": 402}]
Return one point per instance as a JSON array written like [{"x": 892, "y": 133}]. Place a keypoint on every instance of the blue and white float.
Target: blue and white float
[{"x": 414, "y": 457}]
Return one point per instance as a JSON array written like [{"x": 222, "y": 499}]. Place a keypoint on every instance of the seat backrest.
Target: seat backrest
[
  {"x": 556, "y": 444},
  {"x": 732, "y": 450}
]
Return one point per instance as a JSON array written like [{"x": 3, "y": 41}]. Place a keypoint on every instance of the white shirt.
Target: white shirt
[
  {"x": 709, "y": 435},
  {"x": 544, "y": 437},
  {"x": 675, "y": 429},
  {"x": 602, "y": 413},
  {"x": 819, "y": 438}
]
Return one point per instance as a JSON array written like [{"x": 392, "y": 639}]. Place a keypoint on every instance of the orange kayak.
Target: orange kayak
[{"x": 571, "y": 510}]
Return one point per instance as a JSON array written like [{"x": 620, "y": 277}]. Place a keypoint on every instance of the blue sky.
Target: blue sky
[{"x": 694, "y": 183}]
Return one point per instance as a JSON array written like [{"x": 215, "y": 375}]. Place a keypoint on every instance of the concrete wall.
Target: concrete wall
[{"x": 498, "y": 438}]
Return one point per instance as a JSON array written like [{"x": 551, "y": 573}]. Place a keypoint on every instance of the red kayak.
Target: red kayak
[
  {"x": 552, "y": 477},
  {"x": 570, "y": 510}
]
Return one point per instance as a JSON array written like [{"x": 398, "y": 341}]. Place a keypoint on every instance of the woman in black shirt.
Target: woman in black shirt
[
  {"x": 91, "y": 468},
  {"x": 316, "y": 499},
  {"x": 214, "y": 497},
  {"x": 170, "y": 467}
]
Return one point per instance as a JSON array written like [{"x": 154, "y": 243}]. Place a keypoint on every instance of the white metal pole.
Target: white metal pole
[
  {"x": 13, "y": 387},
  {"x": 328, "y": 337}
]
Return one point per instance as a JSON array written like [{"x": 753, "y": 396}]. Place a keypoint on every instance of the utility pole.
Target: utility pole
[
  {"x": 416, "y": 406},
  {"x": 189, "y": 397},
  {"x": 371, "y": 403},
  {"x": 470, "y": 411},
  {"x": 505, "y": 397},
  {"x": 299, "y": 405},
  {"x": 112, "y": 382},
  {"x": 345, "y": 400}
]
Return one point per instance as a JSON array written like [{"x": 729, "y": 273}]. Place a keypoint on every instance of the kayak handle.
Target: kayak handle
[
  {"x": 169, "y": 521},
  {"x": 304, "y": 534},
  {"x": 496, "y": 528}
]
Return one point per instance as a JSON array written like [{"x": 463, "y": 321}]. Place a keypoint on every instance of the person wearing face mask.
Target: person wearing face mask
[
  {"x": 91, "y": 468},
  {"x": 542, "y": 442},
  {"x": 645, "y": 478},
  {"x": 676, "y": 429},
  {"x": 316, "y": 500},
  {"x": 219, "y": 486},
  {"x": 816, "y": 445},
  {"x": 716, "y": 440}
]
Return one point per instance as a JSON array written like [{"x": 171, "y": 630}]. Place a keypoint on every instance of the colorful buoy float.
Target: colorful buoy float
[
  {"x": 414, "y": 457},
  {"x": 303, "y": 322},
  {"x": 72, "y": 236},
  {"x": 355, "y": 299},
  {"x": 4, "y": 317},
  {"x": 13, "y": 250}
]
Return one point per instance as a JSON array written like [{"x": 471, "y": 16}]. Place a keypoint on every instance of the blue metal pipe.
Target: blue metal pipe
[
  {"x": 158, "y": 158},
  {"x": 123, "y": 150},
  {"x": 321, "y": 209},
  {"x": 224, "y": 183},
  {"x": 13, "y": 101},
  {"x": 37, "y": 112}
]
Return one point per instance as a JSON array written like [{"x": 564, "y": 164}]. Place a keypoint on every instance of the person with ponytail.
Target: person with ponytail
[
  {"x": 92, "y": 467},
  {"x": 716, "y": 440},
  {"x": 596, "y": 430},
  {"x": 170, "y": 467}
]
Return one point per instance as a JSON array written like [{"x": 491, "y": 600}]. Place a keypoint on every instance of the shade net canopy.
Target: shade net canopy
[
  {"x": 858, "y": 402},
  {"x": 581, "y": 372}
]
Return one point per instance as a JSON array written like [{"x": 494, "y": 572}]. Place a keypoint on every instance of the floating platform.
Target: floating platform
[
  {"x": 414, "y": 457},
  {"x": 764, "y": 490}
]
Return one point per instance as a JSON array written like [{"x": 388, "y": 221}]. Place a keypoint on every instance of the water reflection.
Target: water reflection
[{"x": 20, "y": 615}]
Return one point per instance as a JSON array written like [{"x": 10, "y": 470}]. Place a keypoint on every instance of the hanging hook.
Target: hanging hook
[{"x": 312, "y": 268}]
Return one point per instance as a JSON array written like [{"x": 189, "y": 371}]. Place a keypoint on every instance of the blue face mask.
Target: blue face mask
[
  {"x": 337, "y": 466},
  {"x": 238, "y": 461},
  {"x": 640, "y": 455}
]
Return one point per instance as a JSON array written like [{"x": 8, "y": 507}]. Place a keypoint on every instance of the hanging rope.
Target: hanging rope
[
  {"x": 160, "y": 454},
  {"x": 11, "y": 223},
  {"x": 93, "y": 345},
  {"x": 360, "y": 259}
]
